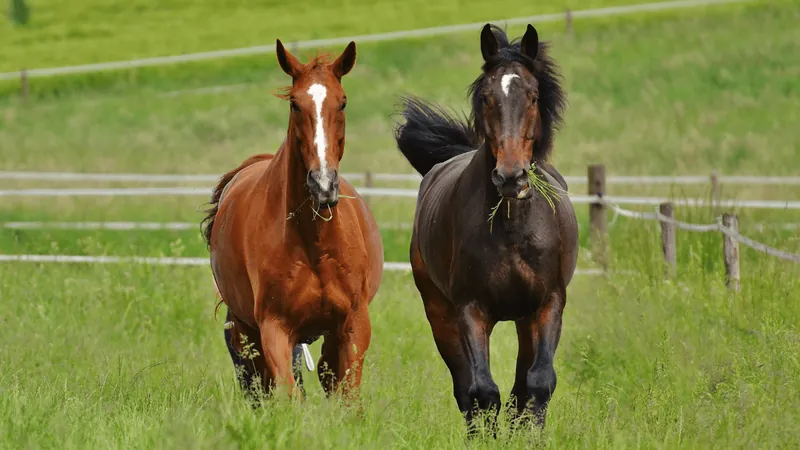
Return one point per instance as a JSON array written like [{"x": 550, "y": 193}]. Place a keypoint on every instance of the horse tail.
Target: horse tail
[
  {"x": 430, "y": 135},
  {"x": 216, "y": 195}
]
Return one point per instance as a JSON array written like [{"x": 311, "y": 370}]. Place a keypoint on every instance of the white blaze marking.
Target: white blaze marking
[
  {"x": 318, "y": 93},
  {"x": 506, "y": 81}
]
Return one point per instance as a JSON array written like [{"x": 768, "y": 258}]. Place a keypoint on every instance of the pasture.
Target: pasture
[{"x": 131, "y": 356}]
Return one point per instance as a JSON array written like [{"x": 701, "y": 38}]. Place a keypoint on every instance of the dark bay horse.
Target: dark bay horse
[
  {"x": 290, "y": 260},
  {"x": 471, "y": 275}
]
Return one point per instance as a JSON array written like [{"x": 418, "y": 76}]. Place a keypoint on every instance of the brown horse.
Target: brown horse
[
  {"x": 470, "y": 274},
  {"x": 291, "y": 262}
]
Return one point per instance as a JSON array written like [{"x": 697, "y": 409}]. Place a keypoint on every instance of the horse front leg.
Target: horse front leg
[
  {"x": 462, "y": 338},
  {"x": 535, "y": 379},
  {"x": 484, "y": 395},
  {"x": 342, "y": 360},
  {"x": 277, "y": 347}
]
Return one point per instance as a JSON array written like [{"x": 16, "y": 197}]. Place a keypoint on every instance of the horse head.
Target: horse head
[{"x": 317, "y": 103}]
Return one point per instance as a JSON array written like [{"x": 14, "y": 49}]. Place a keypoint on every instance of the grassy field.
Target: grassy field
[
  {"x": 131, "y": 356},
  {"x": 90, "y": 31},
  {"x": 686, "y": 95}
]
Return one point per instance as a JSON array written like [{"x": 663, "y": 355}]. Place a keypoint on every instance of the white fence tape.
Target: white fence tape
[
  {"x": 130, "y": 226},
  {"x": 358, "y": 176},
  {"x": 172, "y": 261},
  {"x": 391, "y": 192},
  {"x": 168, "y": 178},
  {"x": 180, "y": 226},
  {"x": 264, "y": 49}
]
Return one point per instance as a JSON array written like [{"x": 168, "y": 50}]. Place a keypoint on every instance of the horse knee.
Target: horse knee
[{"x": 541, "y": 383}]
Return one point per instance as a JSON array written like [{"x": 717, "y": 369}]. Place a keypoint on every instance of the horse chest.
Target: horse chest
[
  {"x": 309, "y": 289},
  {"x": 511, "y": 279}
]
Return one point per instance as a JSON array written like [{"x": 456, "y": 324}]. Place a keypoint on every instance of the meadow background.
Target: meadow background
[{"x": 132, "y": 356}]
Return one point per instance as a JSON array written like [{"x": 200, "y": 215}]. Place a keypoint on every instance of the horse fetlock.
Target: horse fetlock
[
  {"x": 541, "y": 384},
  {"x": 485, "y": 394}
]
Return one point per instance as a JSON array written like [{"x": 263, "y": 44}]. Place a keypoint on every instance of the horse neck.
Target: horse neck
[
  {"x": 289, "y": 179},
  {"x": 479, "y": 173},
  {"x": 288, "y": 174}
]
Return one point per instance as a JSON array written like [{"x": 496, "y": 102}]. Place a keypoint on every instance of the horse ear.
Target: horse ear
[
  {"x": 345, "y": 62},
  {"x": 288, "y": 62},
  {"x": 489, "y": 45},
  {"x": 530, "y": 42}
]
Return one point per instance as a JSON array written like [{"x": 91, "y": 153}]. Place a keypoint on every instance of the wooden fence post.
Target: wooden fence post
[
  {"x": 730, "y": 248},
  {"x": 668, "y": 239},
  {"x": 715, "y": 190},
  {"x": 597, "y": 214},
  {"x": 367, "y": 183},
  {"x": 568, "y": 20},
  {"x": 23, "y": 79}
]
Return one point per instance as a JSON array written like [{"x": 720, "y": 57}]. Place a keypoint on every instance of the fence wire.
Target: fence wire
[{"x": 703, "y": 228}]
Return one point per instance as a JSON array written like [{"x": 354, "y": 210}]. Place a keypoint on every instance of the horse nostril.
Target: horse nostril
[
  {"x": 497, "y": 178},
  {"x": 311, "y": 180},
  {"x": 501, "y": 177}
]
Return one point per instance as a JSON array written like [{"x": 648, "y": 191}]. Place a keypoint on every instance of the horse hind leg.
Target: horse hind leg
[
  {"x": 297, "y": 367},
  {"x": 244, "y": 347},
  {"x": 535, "y": 379}
]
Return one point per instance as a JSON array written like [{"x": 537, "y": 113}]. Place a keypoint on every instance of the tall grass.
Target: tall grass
[{"x": 132, "y": 357}]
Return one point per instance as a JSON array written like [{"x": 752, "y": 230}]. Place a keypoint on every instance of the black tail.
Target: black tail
[{"x": 430, "y": 136}]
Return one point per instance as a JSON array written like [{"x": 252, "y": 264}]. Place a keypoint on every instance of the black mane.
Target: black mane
[{"x": 552, "y": 99}]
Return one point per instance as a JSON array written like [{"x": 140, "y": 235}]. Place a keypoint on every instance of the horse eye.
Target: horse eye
[
  {"x": 293, "y": 106},
  {"x": 535, "y": 98},
  {"x": 344, "y": 105}
]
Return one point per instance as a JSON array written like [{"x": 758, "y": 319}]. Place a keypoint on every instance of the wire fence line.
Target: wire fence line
[
  {"x": 186, "y": 261},
  {"x": 379, "y": 37},
  {"x": 390, "y": 177},
  {"x": 156, "y": 261},
  {"x": 182, "y": 226},
  {"x": 705, "y": 228},
  {"x": 170, "y": 178},
  {"x": 391, "y": 192},
  {"x": 145, "y": 226}
]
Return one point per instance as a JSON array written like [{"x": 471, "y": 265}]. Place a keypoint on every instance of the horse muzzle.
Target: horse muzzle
[
  {"x": 511, "y": 183},
  {"x": 324, "y": 186}
]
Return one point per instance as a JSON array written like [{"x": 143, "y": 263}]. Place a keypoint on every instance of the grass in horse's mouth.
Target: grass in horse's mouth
[
  {"x": 548, "y": 191},
  {"x": 330, "y": 211},
  {"x": 315, "y": 207}
]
